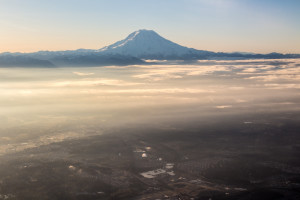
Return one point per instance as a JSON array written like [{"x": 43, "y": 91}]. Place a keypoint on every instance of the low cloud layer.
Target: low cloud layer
[{"x": 36, "y": 103}]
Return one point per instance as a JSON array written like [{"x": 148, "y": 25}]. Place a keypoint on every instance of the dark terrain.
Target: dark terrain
[{"x": 226, "y": 157}]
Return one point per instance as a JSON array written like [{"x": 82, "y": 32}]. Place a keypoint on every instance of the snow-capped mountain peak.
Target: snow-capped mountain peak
[{"x": 144, "y": 44}]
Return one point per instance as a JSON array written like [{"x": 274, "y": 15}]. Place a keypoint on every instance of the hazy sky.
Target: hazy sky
[{"x": 218, "y": 25}]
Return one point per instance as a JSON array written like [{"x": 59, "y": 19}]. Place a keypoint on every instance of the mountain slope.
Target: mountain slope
[
  {"x": 21, "y": 60},
  {"x": 148, "y": 44},
  {"x": 139, "y": 45}
]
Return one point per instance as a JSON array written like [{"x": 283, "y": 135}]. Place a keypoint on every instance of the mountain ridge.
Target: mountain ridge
[
  {"x": 145, "y": 44},
  {"x": 134, "y": 49}
]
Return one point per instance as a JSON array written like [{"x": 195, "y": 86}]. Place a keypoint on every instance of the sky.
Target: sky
[{"x": 261, "y": 26}]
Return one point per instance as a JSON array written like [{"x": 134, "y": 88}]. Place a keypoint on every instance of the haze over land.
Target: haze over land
[
  {"x": 202, "y": 104},
  {"x": 208, "y": 129},
  {"x": 146, "y": 118},
  {"x": 111, "y": 96}
]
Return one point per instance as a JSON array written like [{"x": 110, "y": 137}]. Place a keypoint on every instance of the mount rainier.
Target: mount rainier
[{"x": 133, "y": 50}]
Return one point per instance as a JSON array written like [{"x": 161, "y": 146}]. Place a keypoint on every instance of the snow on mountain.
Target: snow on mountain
[
  {"x": 139, "y": 45},
  {"x": 145, "y": 43}
]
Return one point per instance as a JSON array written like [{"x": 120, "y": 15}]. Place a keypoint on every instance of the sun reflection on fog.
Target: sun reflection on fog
[{"x": 40, "y": 105}]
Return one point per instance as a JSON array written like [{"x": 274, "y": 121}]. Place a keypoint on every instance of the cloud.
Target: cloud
[
  {"x": 223, "y": 106},
  {"x": 283, "y": 86},
  {"x": 83, "y": 74},
  {"x": 93, "y": 82},
  {"x": 162, "y": 72},
  {"x": 269, "y": 78},
  {"x": 150, "y": 90},
  {"x": 250, "y": 70}
]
